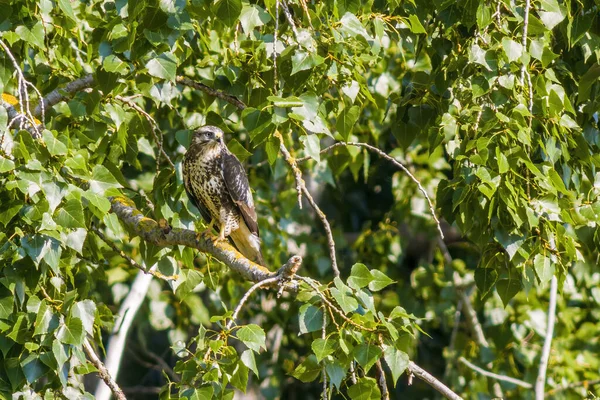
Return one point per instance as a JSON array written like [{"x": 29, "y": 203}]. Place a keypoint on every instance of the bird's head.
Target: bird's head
[{"x": 207, "y": 134}]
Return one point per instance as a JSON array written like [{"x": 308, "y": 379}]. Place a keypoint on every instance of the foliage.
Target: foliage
[{"x": 502, "y": 128}]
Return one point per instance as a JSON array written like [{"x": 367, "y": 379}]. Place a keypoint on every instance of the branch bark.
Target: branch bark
[
  {"x": 102, "y": 371},
  {"x": 150, "y": 231},
  {"x": 540, "y": 382},
  {"x": 60, "y": 94},
  {"x": 492, "y": 375},
  {"x": 212, "y": 92},
  {"x": 414, "y": 369}
]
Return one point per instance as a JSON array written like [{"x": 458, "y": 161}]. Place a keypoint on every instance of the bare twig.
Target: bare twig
[
  {"x": 524, "y": 38},
  {"x": 154, "y": 128},
  {"x": 391, "y": 159},
  {"x": 290, "y": 19},
  {"x": 381, "y": 381},
  {"x": 323, "y": 370},
  {"x": 275, "y": 45},
  {"x": 492, "y": 375},
  {"x": 414, "y": 369},
  {"x": 212, "y": 92},
  {"x": 102, "y": 371},
  {"x": 540, "y": 382},
  {"x": 131, "y": 260},
  {"x": 301, "y": 188},
  {"x": 305, "y": 8},
  {"x": 257, "y": 285},
  {"x": 586, "y": 384}
]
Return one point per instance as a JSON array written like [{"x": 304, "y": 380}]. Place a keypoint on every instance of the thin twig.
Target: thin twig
[
  {"x": 244, "y": 299},
  {"x": 414, "y": 369},
  {"x": 301, "y": 188},
  {"x": 153, "y": 128},
  {"x": 323, "y": 370},
  {"x": 102, "y": 371},
  {"x": 290, "y": 19},
  {"x": 391, "y": 159},
  {"x": 60, "y": 94},
  {"x": 305, "y": 8},
  {"x": 275, "y": 45},
  {"x": 131, "y": 261},
  {"x": 586, "y": 384},
  {"x": 524, "y": 38},
  {"x": 212, "y": 92},
  {"x": 540, "y": 382},
  {"x": 492, "y": 375},
  {"x": 381, "y": 381}
]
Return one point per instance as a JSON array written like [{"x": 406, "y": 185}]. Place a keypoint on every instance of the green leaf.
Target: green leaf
[
  {"x": 102, "y": 179},
  {"x": 351, "y": 26},
  {"x": 36, "y": 247},
  {"x": 71, "y": 215},
  {"x": 415, "y": 25},
  {"x": 312, "y": 146},
  {"x": 367, "y": 355},
  {"x": 397, "y": 361},
  {"x": 86, "y": 311},
  {"x": 228, "y": 11},
  {"x": 544, "y": 268},
  {"x": 360, "y": 276},
  {"x": 323, "y": 347},
  {"x": 253, "y": 16},
  {"x": 346, "y": 120},
  {"x": 512, "y": 49},
  {"x": 71, "y": 332},
  {"x": 380, "y": 281},
  {"x": 164, "y": 66},
  {"x": 551, "y": 19},
  {"x": 202, "y": 393},
  {"x": 258, "y": 123},
  {"x": 249, "y": 361},
  {"x": 365, "y": 389},
  {"x": 54, "y": 146},
  {"x": 6, "y": 307},
  {"x": 302, "y": 61},
  {"x": 587, "y": 80},
  {"x": 336, "y": 373},
  {"x": 344, "y": 298},
  {"x": 507, "y": 289},
  {"x": 65, "y": 7},
  {"x": 310, "y": 318},
  {"x": 114, "y": 64},
  {"x": 240, "y": 151},
  {"x": 485, "y": 279},
  {"x": 6, "y": 165},
  {"x": 308, "y": 370},
  {"x": 33, "y": 368},
  {"x": 283, "y": 102},
  {"x": 34, "y": 36},
  {"x": 252, "y": 336}
]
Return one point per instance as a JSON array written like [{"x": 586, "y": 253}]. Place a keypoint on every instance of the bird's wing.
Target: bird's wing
[
  {"x": 239, "y": 189},
  {"x": 189, "y": 189}
]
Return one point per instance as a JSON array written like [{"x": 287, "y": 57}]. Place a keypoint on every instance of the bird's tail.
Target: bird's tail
[{"x": 247, "y": 243}]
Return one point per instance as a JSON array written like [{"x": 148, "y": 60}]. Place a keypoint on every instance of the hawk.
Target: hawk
[{"x": 216, "y": 183}]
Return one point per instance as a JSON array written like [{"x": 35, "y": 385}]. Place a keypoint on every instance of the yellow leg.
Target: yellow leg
[
  {"x": 208, "y": 230},
  {"x": 221, "y": 233}
]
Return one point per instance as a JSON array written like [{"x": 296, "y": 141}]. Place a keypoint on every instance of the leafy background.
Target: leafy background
[{"x": 491, "y": 105}]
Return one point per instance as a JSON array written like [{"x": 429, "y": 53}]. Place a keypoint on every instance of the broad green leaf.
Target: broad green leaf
[
  {"x": 6, "y": 307},
  {"x": 55, "y": 146},
  {"x": 71, "y": 332},
  {"x": 336, "y": 373},
  {"x": 367, "y": 355},
  {"x": 380, "y": 281},
  {"x": 397, "y": 361},
  {"x": 228, "y": 11},
  {"x": 345, "y": 299},
  {"x": 323, "y": 347},
  {"x": 544, "y": 268},
  {"x": 252, "y": 336},
  {"x": 34, "y": 36},
  {"x": 365, "y": 389},
  {"x": 508, "y": 288},
  {"x": 485, "y": 279},
  {"x": 249, "y": 361},
  {"x": 33, "y": 368},
  {"x": 253, "y": 16},
  {"x": 312, "y": 146},
  {"x": 113, "y": 63},
  {"x": 351, "y": 26},
  {"x": 6, "y": 165},
  {"x": 86, "y": 311},
  {"x": 240, "y": 151},
  {"x": 512, "y": 49},
  {"x": 415, "y": 25},
  {"x": 308, "y": 370},
  {"x": 36, "y": 247},
  {"x": 65, "y": 7},
  {"x": 71, "y": 215},
  {"x": 346, "y": 120},
  {"x": 102, "y": 179},
  {"x": 164, "y": 66},
  {"x": 302, "y": 60},
  {"x": 360, "y": 276},
  {"x": 291, "y": 101},
  {"x": 310, "y": 318}
]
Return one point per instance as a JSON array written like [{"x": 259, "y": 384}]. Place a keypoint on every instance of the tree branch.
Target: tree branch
[
  {"x": 414, "y": 369},
  {"x": 149, "y": 230},
  {"x": 540, "y": 382},
  {"x": 212, "y": 92},
  {"x": 492, "y": 375},
  {"x": 60, "y": 94},
  {"x": 102, "y": 371},
  {"x": 391, "y": 159}
]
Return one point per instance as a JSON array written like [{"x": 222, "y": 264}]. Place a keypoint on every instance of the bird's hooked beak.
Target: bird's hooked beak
[{"x": 207, "y": 134}]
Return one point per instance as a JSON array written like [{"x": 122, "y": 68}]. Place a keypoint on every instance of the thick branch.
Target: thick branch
[
  {"x": 102, "y": 371},
  {"x": 150, "y": 231},
  {"x": 541, "y": 378},
  {"x": 212, "y": 92},
  {"x": 60, "y": 94},
  {"x": 420, "y": 373}
]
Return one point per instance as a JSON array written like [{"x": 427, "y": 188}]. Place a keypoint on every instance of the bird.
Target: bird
[{"x": 216, "y": 183}]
